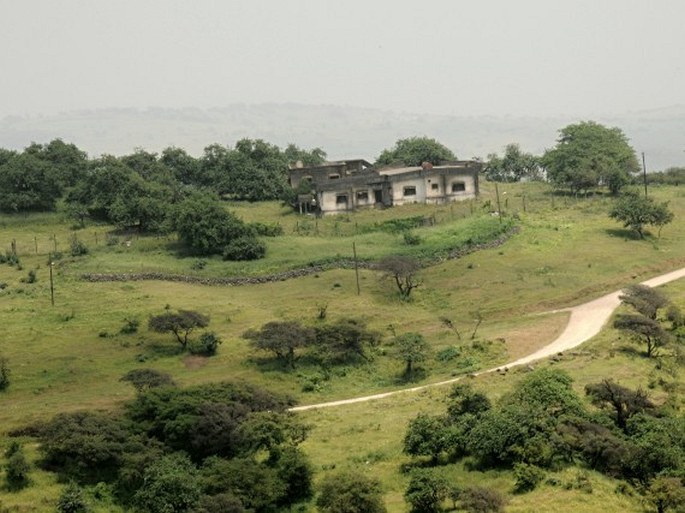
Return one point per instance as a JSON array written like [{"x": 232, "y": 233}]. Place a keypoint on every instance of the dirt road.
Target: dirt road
[{"x": 585, "y": 322}]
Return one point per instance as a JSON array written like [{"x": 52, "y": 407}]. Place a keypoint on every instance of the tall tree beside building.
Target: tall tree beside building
[{"x": 414, "y": 151}]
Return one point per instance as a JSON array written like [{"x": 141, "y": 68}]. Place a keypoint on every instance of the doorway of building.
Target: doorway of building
[{"x": 378, "y": 195}]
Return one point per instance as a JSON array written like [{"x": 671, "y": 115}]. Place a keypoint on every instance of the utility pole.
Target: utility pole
[{"x": 644, "y": 172}]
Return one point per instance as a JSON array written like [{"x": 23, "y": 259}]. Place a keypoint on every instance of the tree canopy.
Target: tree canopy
[
  {"x": 414, "y": 151},
  {"x": 635, "y": 211},
  {"x": 589, "y": 155},
  {"x": 513, "y": 166}
]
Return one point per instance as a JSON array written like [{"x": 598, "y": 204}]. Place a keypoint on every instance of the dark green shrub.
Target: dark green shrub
[
  {"x": 17, "y": 469},
  {"x": 130, "y": 326},
  {"x": 267, "y": 230},
  {"x": 199, "y": 264},
  {"x": 244, "y": 248},
  {"x": 206, "y": 344},
  {"x": 527, "y": 477},
  {"x": 9, "y": 258},
  {"x": 482, "y": 500},
  {"x": 426, "y": 491},
  {"x": 145, "y": 379},
  {"x": 4, "y": 373},
  {"x": 77, "y": 246},
  {"x": 72, "y": 500},
  {"x": 348, "y": 492},
  {"x": 411, "y": 239},
  {"x": 30, "y": 277}
]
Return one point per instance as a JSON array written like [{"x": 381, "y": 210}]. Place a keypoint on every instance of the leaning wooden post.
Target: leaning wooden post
[{"x": 356, "y": 266}]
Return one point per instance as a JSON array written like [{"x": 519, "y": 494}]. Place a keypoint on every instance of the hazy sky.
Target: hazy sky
[{"x": 499, "y": 57}]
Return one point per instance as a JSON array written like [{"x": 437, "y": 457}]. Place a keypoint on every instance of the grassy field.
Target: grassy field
[{"x": 71, "y": 356}]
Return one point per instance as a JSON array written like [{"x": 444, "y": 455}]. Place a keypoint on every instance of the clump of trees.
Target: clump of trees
[
  {"x": 643, "y": 325},
  {"x": 350, "y": 492},
  {"x": 543, "y": 424},
  {"x": 230, "y": 446},
  {"x": 589, "y": 155},
  {"x": 346, "y": 341},
  {"x": 414, "y": 151},
  {"x": 514, "y": 166}
]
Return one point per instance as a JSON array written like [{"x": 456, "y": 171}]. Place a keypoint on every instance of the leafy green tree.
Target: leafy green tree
[
  {"x": 549, "y": 391},
  {"x": 181, "y": 324},
  {"x": 184, "y": 167},
  {"x": 312, "y": 157},
  {"x": 171, "y": 484},
  {"x": 205, "y": 227},
  {"x": 344, "y": 341},
  {"x": 414, "y": 151},
  {"x": 464, "y": 400},
  {"x": 68, "y": 164},
  {"x": 26, "y": 183},
  {"x": 282, "y": 338},
  {"x": 588, "y": 155},
  {"x": 646, "y": 300},
  {"x": 412, "y": 349},
  {"x": 623, "y": 401},
  {"x": 513, "y": 166},
  {"x": 245, "y": 247},
  {"x": 636, "y": 211},
  {"x": 350, "y": 492},
  {"x": 425, "y": 436},
  {"x": 255, "y": 484},
  {"x": 426, "y": 491},
  {"x": 666, "y": 492},
  {"x": 643, "y": 329}
]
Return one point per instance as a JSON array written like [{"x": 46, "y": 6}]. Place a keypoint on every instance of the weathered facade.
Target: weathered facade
[{"x": 348, "y": 185}]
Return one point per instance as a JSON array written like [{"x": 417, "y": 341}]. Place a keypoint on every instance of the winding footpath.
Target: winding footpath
[{"x": 585, "y": 322}]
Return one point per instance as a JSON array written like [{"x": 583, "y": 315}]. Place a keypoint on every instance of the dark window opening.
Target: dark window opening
[
  {"x": 410, "y": 191},
  {"x": 435, "y": 186},
  {"x": 333, "y": 176},
  {"x": 340, "y": 200},
  {"x": 362, "y": 195},
  {"x": 458, "y": 187}
]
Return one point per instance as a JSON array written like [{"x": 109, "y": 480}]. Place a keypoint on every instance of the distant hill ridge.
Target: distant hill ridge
[{"x": 343, "y": 132}]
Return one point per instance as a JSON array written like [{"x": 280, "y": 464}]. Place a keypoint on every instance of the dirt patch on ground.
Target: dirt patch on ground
[
  {"x": 536, "y": 334},
  {"x": 193, "y": 362}
]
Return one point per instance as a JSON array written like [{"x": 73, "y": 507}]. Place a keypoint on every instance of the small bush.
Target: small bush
[
  {"x": 447, "y": 354},
  {"x": 145, "y": 379},
  {"x": 206, "y": 344},
  {"x": 112, "y": 240},
  {"x": 482, "y": 500},
  {"x": 72, "y": 500},
  {"x": 527, "y": 477},
  {"x": 199, "y": 264},
  {"x": 77, "y": 246},
  {"x": 130, "y": 326},
  {"x": 674, "y": 315},
  {"x": 30, "y": 277},
  {"x": 245, "y": 248},
  {"x": 411, "y": 239},
  {"x": 4, "y": 373},
  {"x": 3, "y": 285},
  {"x": 17, "y": 470},
  {"x": 9, "y": 258},
  {"x": 267, "y": 230}
]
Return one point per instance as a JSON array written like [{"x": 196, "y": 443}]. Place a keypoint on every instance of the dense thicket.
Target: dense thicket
[{"x": 225, "y": 445}]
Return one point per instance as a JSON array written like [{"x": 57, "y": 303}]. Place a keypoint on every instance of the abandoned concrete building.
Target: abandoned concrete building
[{"x": 350, "y": 184}]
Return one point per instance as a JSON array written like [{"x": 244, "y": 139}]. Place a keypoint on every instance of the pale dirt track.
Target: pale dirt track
[{"x": 585, "y": 322}]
